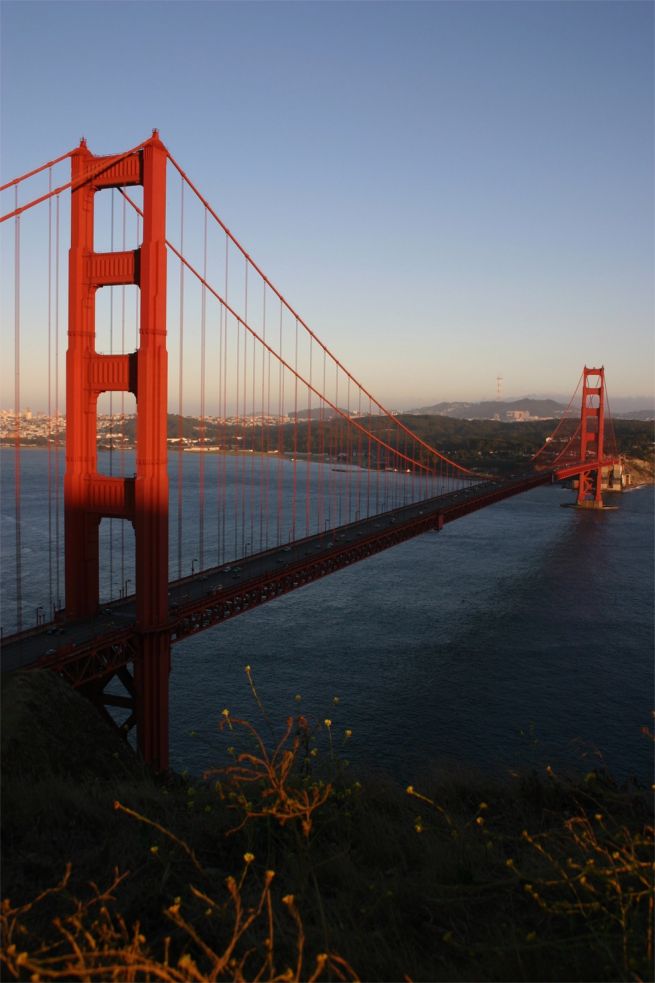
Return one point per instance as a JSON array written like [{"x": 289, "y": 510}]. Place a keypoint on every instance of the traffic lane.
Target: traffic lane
[
  {"x": 122, "y": 614},
  {"x": 275, "y": 561},
  {"x": 61, "y": 638},
  {"x": 183, "y": 594}
]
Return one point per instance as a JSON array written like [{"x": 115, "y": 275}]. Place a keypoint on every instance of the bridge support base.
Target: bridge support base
[
  {"x": 590, "y": 505},
  {"x": 151, "y": 672},
  {"x": 95, "y": 692}
]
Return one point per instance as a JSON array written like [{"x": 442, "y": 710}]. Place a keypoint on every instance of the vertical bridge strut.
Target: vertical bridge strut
[{"x": 89, "y": 496}]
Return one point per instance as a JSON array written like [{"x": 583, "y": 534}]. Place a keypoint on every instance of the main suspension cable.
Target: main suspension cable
[
  {"x": 398, "y": 423},
  {"x": 37, "y": 170},
  {"x": 394, "y": 451},
  {"x": 73, "y": 184}
]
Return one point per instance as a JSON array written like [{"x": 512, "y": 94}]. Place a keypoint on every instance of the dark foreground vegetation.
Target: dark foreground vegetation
[{"x": 281, "y": 866}]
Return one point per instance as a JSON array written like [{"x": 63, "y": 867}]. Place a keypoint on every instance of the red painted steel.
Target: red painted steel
[
  {"x": 143, "y": 500},
  {"x": 592, "y": 429},
  {"x": 152, "y": 670},
  {"x": 90, "y": 662}
]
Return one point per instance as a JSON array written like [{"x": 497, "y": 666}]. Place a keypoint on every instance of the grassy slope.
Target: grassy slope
[{"x": 535, "y": 878}]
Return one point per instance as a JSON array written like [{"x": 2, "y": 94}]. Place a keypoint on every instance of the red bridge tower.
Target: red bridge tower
[
  {"x": 89, "y": 496},
  {"x": 592, "y": 432}
]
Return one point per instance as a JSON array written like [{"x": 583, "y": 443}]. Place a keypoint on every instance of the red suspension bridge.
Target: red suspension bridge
[{"x": 298, "y": 470}]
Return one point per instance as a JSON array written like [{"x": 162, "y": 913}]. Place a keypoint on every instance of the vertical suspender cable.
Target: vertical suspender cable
[
  {"x": 308, "y": 455},
  {"x": 295, "y": 439},
  {"x": 19, "y": 584},
  {"x": 225, "y": 370},
  {"x": 322, "y": 491},
  {"x": 337, "y": 450},
  {"x": 219, "y": 436},
  {"x": 330, "y": 459},
  {"x": 242, "y": 427},
  {"x": 268, "y": 447},
  {"x": 362, "y": 461},
  {"x": 203, "y": 329},
  {"x": 58, "y": 598},
  {"x": 406, "y": 489},
  {"x": 220, "y": 484},
  {"x": 122, "y": 444},
  {"x": 222, "y": 490},
  {"x": 348, "y": 451},
  {"x": 378, "y": 467},
  {"x": 250, "y": 423},
  {"x": 263, "y": 489},
  {"x": 280, "y": 445},
  {"x": 237, "y": 434},
  {"x": 243, "y": 440},
  {"x": 253, "y": 448},
  {"x": 50, "y": 490},
  {"x": 111, "y": 407},
  {"x": 180, "y": 393}
]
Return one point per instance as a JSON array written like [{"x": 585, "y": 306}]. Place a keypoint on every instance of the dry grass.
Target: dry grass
[
  {"x": 539, "y": 877},
  {"x": 92, "y": 941}
]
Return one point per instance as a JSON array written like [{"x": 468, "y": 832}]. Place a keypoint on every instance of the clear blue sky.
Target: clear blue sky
[{"x": 445, "y": 191}]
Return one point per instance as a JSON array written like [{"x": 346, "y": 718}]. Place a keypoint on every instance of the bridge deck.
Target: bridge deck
[{"x": 94, "y": 647}]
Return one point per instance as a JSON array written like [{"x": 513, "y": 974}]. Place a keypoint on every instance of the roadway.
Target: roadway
[{"x": 211, "y": 596}]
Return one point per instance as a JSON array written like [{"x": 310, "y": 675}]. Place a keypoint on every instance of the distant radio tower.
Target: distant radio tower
[{"x": 499, "y": 387}]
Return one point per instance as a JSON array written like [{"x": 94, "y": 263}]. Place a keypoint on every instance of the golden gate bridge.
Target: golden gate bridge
[{"x": 310, "y": 473}]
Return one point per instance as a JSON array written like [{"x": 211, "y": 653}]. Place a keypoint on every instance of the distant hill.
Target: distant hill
[{"x": 526, "y": 408}]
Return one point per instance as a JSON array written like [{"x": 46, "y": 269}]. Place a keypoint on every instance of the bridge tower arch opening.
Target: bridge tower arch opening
[{"x": 143, "y": 499}]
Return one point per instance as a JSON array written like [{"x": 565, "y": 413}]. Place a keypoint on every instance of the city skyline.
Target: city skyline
[{"x": 478, "y": 204}]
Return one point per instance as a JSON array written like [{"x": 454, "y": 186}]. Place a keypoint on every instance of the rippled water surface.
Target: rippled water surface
[{"x": 520, "y": 635}]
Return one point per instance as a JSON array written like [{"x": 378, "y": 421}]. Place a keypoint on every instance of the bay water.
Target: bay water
[{"x": 520, "y": 636}]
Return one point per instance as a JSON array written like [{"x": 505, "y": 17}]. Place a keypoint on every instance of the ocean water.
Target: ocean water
[{"x": 519, "y": 636}]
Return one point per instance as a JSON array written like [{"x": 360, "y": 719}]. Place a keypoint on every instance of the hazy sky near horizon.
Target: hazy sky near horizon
[{"x": 446, "y": 192}]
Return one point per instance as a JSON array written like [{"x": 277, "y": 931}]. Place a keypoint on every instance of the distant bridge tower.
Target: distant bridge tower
[
  {"x": 592, "y": 434},
  {"x": 89, "y": 496}
]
